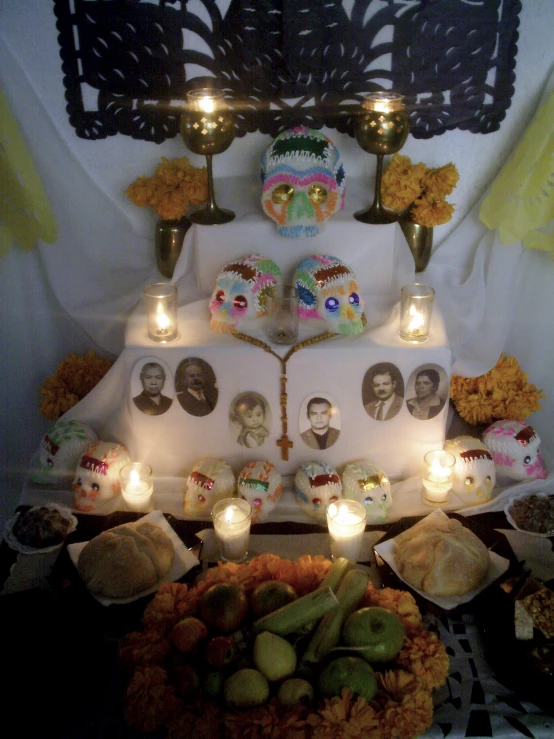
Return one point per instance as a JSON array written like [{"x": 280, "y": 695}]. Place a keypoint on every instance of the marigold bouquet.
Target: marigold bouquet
[
  {"x": 174, "y": 187},
  {"x": 419, "y": 191},
  {"x": 501, "y": 393},
  {"x": 73, "y": 379}
]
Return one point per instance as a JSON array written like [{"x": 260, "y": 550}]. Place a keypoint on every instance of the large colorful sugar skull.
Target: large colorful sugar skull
[
  {"x": 328, "y": 289},
  {"x": 261, "y": 485},
  {"x": 303, "y": 182},
  {"x": 96, "y": 478},
  {"x": 474, "y": 471},
  {"x": 316, "y": 484},
  {"x": 240, "y": 293},
  {"x": 367, "y": 483},
  {"x": 59, "y": 451},
  {"x": 210, "y": 480},
  {"x": 515, "y": 450}
]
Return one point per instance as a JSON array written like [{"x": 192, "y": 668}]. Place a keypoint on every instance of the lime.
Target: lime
[
  {"x": 348, "y": 672},
  {"x": 271, "y": 595}
]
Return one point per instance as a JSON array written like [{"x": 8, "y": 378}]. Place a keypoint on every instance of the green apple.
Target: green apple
[
  {"x": 246, "y": 688},
  {"x": 295, "y": 690},
  {"x": 274, "y": 656},
  {"x": 377, "y": 633},
  {"x": 271, "y": 595},
  {"x": 348, "y": 672}
]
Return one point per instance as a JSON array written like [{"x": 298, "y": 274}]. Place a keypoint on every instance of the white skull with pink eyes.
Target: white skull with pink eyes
[
  {"x": 96, "y": 478},
  {"x": 328, "y": 289},
  {"x": 474, "y": 471},
  {"x": 316, "y": 485},
  {"x": 240, "y": 294},
  {"x": 210, "y": 480},
  {"x": 303, "y": 182},
  {"x": 60, "y": 450},
  {"x": 515, "y": 449},
  {"x": 369, "y": 485},
  {"x": 261, "y": 485}
]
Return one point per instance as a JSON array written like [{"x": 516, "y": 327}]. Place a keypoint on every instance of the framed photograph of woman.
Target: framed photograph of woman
[{"x": 427, "y": 391}]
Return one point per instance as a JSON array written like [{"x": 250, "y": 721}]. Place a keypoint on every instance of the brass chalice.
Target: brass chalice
[
  {"x": 208, "y": 128},
  {"x": 381, "y": 127}
]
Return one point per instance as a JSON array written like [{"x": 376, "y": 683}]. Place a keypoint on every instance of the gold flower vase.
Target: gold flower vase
[
  {"x": 420, "y": 241},
  {"x": 170, "y": 236}
]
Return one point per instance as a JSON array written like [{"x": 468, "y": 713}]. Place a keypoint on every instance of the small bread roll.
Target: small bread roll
[
  {"x": 126, "y": 560},
  {"x": 441, "y": 557}
]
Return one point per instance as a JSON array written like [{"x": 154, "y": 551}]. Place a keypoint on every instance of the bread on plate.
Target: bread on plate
[
  {"x": 441, "y": 557},
  {"x": 126, "y": 560}
]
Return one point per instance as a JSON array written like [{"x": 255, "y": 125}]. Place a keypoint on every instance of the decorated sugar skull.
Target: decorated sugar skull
[
  {"x": 210, "y": 480},
  {"x": 96, "y": 478},
  {"x": 474, "y": 471},
  {"x": 240, "y": 293},
  {"x": 303, "y": 182},
  {"x": 261, "y": 485},
  {"x": 367, "y": 483},
  {"x": 328, "y": 289},
  {"x": 515, "y": 450},
  {"x": 316, "y": 484},
  {"x": 59, "y": 451}
]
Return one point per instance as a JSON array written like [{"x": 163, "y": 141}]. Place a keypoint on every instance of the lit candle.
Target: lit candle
[
  {"x": 161, "y": 311},
  {"x": 346, "y": 521},
  {"x": 137, "y": 486},
  {"x": 438, "y": 476},
  {"x": 231, "y": 519},
  {"x": 416, "y": 307},
  {"x": 207, "y": 104},
  {"x": 384, "y": 102}
]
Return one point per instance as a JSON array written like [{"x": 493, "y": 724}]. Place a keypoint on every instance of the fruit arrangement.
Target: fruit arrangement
[{"x": 278, "y": 648}]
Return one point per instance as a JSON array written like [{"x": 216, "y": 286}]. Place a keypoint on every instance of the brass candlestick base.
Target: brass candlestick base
[
  {"x": 212, "y": 214},
  {"x": 377, "y": 213}
]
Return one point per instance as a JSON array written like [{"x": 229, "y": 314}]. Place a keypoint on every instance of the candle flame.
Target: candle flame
[
  {"x": 134, "y": 477},
  {"x": 207, "y": 104},
  {"x": 162, "y": 318},
  {"x": 417, "y": 319}
]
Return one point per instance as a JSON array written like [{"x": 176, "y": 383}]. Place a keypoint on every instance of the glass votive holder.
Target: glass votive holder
[
  {"x": 282, "y": 314},
  {"x": 137, "y": 486},
  {"x": 416, "y": 307},
  {"x": 438, "y": 476},
  {"x": 231, "y": 519},
  {"x": 160, "y": 300},
  {"x": 346, "y": 521}
]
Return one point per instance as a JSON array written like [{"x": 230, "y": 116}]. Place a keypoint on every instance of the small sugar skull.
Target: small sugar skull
[
  {"x": 328, "y": 289},
  {"x": 96, "y": 478},
  {"x": 316, "y": 484},
  {"x": 240, "y": 293},
  {"x": 261, "y": 485},
  {"x": 365, "y": 482},
  {"x": 59, "y": 451},
  {"x": 303, "y": 182},
  {"x": 474, "y": 471},
  {"x": 515, "y": 450},
  {"x": 210, "y": 480}
]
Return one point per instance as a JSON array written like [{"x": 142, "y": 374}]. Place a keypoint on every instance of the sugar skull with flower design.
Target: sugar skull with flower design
[
  {"x": 240, "y": 293},
  {"x": 59, "y": 451},
  {"x": 316, "y": 485},
  {"x": 365, "y": 482},
  {"x": 328, "y": 289},
  {"x": 96, "y": 478},
  {"x": 474, "y": 471},
  {"x": 210, "y": 480},
  {"x": 303, "y": 182},
  {"x": 261, "y": 485},
  {"x": 515, "y": 449}
]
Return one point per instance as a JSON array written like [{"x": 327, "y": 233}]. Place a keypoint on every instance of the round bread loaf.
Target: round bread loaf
[
  {"x": 126, "y": 560},
  {"x": 441, "y": 557}
]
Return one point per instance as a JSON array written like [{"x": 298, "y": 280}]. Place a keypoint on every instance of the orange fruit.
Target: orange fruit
[{"x": 186, "y": 634}]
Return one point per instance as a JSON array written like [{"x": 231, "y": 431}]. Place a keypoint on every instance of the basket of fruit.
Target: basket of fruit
[{"x": 274, "y": 647}]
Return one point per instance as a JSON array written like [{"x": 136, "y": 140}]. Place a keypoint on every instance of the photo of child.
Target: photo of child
[{"x": 250, "y": 417}]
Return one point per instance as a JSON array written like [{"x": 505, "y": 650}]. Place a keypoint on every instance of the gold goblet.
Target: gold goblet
[
  {"x": 208, "y": 128},
  {"x": 381, "y": 128}
]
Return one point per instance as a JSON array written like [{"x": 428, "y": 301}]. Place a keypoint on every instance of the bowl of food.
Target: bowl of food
[{"x": 531, "y": 513}]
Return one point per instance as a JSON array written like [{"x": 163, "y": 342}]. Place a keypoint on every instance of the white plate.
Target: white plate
[
  {"x": 183, "y": 561},
  {"x": 521, "y": 496}
]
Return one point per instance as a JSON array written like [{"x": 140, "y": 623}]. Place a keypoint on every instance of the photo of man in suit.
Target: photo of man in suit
[
  {"x": 195, "y": 386},
  {"x": 151, "y": 400},
  {"x": 320, "y": 435},
  {"x": 386, "y": 390}
]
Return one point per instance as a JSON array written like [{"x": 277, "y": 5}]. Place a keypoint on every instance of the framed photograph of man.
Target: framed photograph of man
[
  {"x": 196, "y": 386},
  {"x": 152, "y": 386},
  {"x": 427, "y": 391},
  {"x": 383, "y": 391},
  {"x": 319, "y": 421}
]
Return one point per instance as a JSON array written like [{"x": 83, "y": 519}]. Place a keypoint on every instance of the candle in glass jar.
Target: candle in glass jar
[
  {"x": 137, "y": 486},
  {"x": 346, "y": 521},
  {"x": 438, "y": 476},
  {"x": 416, "y": 307},
  {"x": 161, "y": 311},
  {"x": 231, "y": 519}
]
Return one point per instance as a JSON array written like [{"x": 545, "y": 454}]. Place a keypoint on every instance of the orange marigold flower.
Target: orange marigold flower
[
  {"x": 431, "y": 213},
  {"x": 149, "y": 700},
  {"x": 143, "y": 648},
  {"x": 438, "y": 183},
  {"x": 425, "y": 656}
]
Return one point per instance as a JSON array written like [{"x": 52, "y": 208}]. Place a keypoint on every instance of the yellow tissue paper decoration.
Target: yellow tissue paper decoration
[
  {"x": 520, "y": 203},
  {"x": 25, "y": 213}
]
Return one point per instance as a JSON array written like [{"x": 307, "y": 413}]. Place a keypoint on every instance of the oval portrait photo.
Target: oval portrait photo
[
  {"x": 250, "y": 419},
  {"x": 152, "y": 386},
  {"x": 196, "y": 386},
  {"x": 383, "y": 391},
  {"x": 319, "y": 421},
  {"x": 427, "y": 391}
]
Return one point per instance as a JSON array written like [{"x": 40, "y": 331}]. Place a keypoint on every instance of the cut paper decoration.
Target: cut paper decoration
[
  {"x": 474, "y": 471},
  {"x": 60, "y": 450},
  {"x": 303, "y": 182},
  {"x": 515, "y": 449},
  {"x": 261, "y": 485}
]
